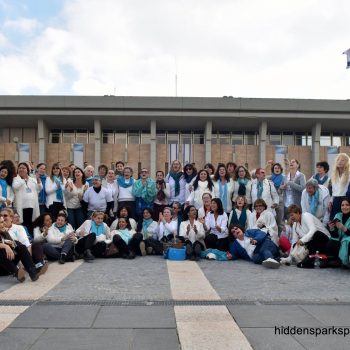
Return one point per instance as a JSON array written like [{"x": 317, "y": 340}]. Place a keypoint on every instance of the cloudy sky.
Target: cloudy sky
[{"x": 243, "y": 48}]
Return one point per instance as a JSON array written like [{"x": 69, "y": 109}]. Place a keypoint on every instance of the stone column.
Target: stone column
[
  {"x": 153, "y": 149},
  {"x": 262, "y": 144},
  {"x": 207, "y": 140},
  {"x": 316, "y": 136},
  {"x": 98, "y": 142},
  {"x": 42, "y": 140}
]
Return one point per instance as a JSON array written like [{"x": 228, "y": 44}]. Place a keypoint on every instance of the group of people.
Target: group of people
[{"x": 226, "y": 213}]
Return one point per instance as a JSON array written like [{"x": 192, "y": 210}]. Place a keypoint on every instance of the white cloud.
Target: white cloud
[
  {"x": 252, "y": 49},
  {"x": 3, "y": 40},
  {"x": 23, "y": 25}
]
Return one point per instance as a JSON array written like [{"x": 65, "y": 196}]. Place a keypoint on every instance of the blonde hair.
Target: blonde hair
[{"x": 336, "y": 174}]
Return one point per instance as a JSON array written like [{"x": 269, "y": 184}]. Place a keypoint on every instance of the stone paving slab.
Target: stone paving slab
[
  {"x": 330, "y": 315},
  {"x": 272, "y": 315},
  {"x": 135, "y": 317},
  {"x": 116, "y": 279},
  {"x": 155, "y": 339},
  {"x": 334, "y": 342},
  {"x": 19, "y": 339},
  {"x": 84, "y": 339},
  {"x": 57, "y": 316},
  {"x": 247, "y": 281},
  {"x": 265, "y": 339}
]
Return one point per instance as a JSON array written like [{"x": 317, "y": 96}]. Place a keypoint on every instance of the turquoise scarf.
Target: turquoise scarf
[{"x": 97, "y": 229}]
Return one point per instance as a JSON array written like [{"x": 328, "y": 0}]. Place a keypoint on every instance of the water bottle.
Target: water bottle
[{"x": 317, "y": 262}]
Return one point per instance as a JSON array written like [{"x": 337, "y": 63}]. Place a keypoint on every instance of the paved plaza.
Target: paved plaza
[{"x": 151, "y": 303}]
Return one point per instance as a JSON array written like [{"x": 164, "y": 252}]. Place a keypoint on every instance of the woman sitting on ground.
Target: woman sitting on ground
[
  {"x": 6, "y": 193},
  {"x": 215, "y": 224},
  {"x": 60, "y": 241},
  {"x": 41, "y": 227},
  {"x": 192, "y": 233},
  {"x": 93, "y": 237},
  {"x": 166, "y": 225},
  {"x": 253, "y": 245},
  {"x": 124, "y": 212},
  {"x": 148, "y": 228},
  {"x": 264, "y": 220},
  {"x": 240, "y": 214},
  {"x": 338, "y": 246},
  {"x": 123, "y": 239}
]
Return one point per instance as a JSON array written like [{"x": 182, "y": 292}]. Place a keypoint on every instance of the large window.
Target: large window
[
  {"x": 108, "y": 136},
  {"x": 55, "y": 136},
  {"x": 173, "y": 138},
  {"x": 161, "y": 138},
  {"x": 250, "y": 138},
  {"x": 237, "y": 138},
  {"x": 134, "y": 137},
  {"x": 275, "y": 138},
  {"x": 120, "y": 138}
]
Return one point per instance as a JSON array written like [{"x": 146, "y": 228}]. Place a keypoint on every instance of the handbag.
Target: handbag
[
  {"x": 299, "y": 253},
  {"x": 111, "y": 251}
]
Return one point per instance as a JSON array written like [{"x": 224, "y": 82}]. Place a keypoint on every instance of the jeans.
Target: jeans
[
  {"x": 266, "y": 250},
  {"x": 76, "y": 217},
  {"x": 54, "y": 253}
]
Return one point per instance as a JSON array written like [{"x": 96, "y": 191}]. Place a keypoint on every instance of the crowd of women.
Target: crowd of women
[{"x": 227, "y": 213}]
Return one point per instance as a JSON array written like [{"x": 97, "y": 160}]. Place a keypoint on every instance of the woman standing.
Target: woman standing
[
  {"x": 190, "y": 173},
  {"x": 278, "y": 179},
  {"x": 6, "y": 192},
  {"x": 339, "y": 183},
  {"x": 126, "y": 198},
  {"x": 295, "y": 184},
  {"x": 89, "y": 174},
  {"x": 215, "y": 225},
  {"x": 202, "y": 184},
  {"x": 26, "y": 191},
  {"x": 74, "y": 191},
  {"x": 242, "y": 185},
  {"x": 111, "y": 185},
  {"x": 55, "y": 185},
  {"x": 177, "y": 183},
  {"x": 224, "y": 187}
]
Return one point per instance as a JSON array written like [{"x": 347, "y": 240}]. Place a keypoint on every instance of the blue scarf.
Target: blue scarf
[
  {"x": 223, "y": 194},
  {"x": 320, "y": 182},
  {"x": 62, "y": 229},
  {"x": 145, "y": 225},
  {"x": 59, "y": 192},
  {"x": 3, "y": 185},
  {"x": 242, "y": 186},
  {"x": 277, "y": 180},
  {"x": 125, "y": 234},
  {"x": 89, "y": 180},
  {"x": 260, "y": 188},
  {"x": 42, "y": 194},
  {"x": 176, "y": 177},
  {"x": 122, "y": 183},
  {"x": 97, "y": 229},
  {"x": 313, "y": 202}
]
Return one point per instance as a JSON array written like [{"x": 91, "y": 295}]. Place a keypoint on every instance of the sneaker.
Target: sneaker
[
  {"x": 143, "y": 248},
  {"x": 42, "y": 269},
  {"x": 286, "y": 261},
  {"x": 88, "y": 257},
  {"x": 211, "y": 256},
  {"x": 62, "y": 259},
  {"x": 20, "y": 274},
  {"x": 149, "y": 250},
  {"x": 271, "y": 263}
]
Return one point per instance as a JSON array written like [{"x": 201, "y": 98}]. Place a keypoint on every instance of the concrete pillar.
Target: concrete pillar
[
  {"x": 153, "y": 149},
  {"x": 316, "y": 136},
  {"x": 42, "y": 140},
  {"x": 207, "y": 140},
  {"x": 98, "y": 142},
  {"x": 262, "y": 143}
]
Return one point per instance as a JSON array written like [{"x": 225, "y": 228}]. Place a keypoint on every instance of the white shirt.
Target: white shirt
[
  {"x": 306, "y": 229},
  {"x": 267, "y": 219},
  {"x": 192, "y": 235},
  {"x": 97, "y": 201},
  {"x": 247, "y": 246},
  {"x": 18, "y": 233},
  {"x": 211, "y": 223},
  {"x": 167, "y": 228}
]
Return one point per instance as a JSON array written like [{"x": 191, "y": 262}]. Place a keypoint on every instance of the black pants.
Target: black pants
[
  {"x": 156, "y": 245},
  {"x": 21, "y": 254},
  {"x": 54, "y": 208},
  {"x": 332, "y": 249},
  {"x": 28, "y": 219},
  {"x": 88, "y": 242},
  {"x": 37, "y": 252},
  {"x": 134, "y": 243},
  {"x": 212, "y": 241},
  {"x": 124, "y": 249},
  {"x": 318, "y": 243},
  {"x": 157, "y": 209}
]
